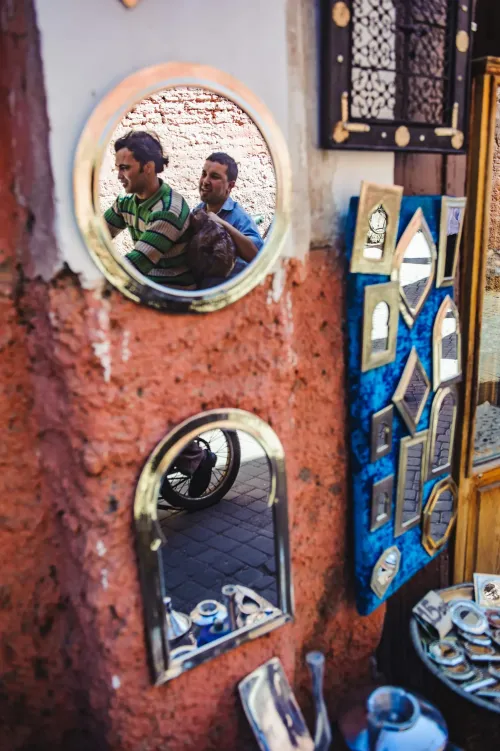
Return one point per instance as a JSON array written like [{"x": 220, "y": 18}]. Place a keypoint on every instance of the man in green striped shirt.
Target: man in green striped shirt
[{"x": 156, "y": 216}]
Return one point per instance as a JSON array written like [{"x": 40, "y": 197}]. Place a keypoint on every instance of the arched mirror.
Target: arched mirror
[
  {"x": 446, "y": 345},
  {"x": 380, "y": 328},
  {"x": 375, "y": 239},
  {"x": 212, "y": 531},
  {"x": 414, "y": 266},
  {"x": 380, "y": 325},
  {"x": 439, "y": 515},
  {"x": 442, "y": 431},
  {"x": 182, "y": 188},
  {"x": 376, "y": 228}
]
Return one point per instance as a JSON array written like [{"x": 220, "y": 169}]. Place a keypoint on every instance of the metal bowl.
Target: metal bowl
[{"x": 459, "y": 591}]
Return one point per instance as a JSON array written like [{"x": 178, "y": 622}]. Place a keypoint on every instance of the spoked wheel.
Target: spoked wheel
[{"x": 226, "y": 446}]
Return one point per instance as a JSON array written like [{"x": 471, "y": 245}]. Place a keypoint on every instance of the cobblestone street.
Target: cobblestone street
[{"x": 231, "y": 542}]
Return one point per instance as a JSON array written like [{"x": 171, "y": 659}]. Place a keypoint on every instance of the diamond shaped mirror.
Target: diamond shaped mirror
[
  {"x": 414, "y": 266},
  {"x": 412, "y": 391},
  {"x": 446, "y": 345},
  {"x": 439, "y": 515}
]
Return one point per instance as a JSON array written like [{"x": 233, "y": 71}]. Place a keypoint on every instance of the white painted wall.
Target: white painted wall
[{"x": 270, "y": 45}]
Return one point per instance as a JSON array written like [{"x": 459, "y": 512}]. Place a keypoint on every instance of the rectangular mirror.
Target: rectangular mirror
[{"x": 411, "y": 473}]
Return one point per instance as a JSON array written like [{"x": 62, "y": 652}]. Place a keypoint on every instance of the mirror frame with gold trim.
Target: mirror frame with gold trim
[
  {"x": 447, "y": 202},
  {"x": 437, "y": 339},
  {"x": 405, "y": 443},
  {"x": 432, "y": 546},
  {"x": 374, "y": 294},
  {"x": 87, "y": 165},
  {"x": 418, "y": 222},
  {"x": 386, "y": 485},
  {"x": 398, "y": 398},
  {"x": 149, "y": 540},
  {"x": 441, "y": 394},
  {"x": 371, "y": 195}
]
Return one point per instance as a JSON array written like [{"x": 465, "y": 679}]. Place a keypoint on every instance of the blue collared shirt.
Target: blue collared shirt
[{"x": 233, "y": 214}]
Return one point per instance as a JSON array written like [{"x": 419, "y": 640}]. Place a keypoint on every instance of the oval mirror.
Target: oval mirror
[{"x": 182, "y": 188}]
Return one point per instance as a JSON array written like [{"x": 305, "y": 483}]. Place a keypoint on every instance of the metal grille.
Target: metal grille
[{"x": 400, "y": 60}]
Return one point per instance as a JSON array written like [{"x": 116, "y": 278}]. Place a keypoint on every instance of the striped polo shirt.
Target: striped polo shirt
[{"x": 157, "y": 226}]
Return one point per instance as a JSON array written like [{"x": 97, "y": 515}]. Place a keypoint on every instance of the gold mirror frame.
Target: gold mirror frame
[
  {"x": 394, "y": 554},
  {"x": 149, "y": 540},
  {"x": 374, "y": 294},
  {"x": 383, "y": 416},
  {"x": 432, "y": 546},
  {"x": 88, "y": 159},
  {"x": 433, "y": 426},
  {"x": 417, "y": 223},
  {"x": 371, "y": 196},
  {"x": 437, "y": 340},
  {"x": 448, "y": 203},
  {"x": 385, "y": 486},
  {"x": 405, "y": 444},
  {"x": 412, "y": 362}
]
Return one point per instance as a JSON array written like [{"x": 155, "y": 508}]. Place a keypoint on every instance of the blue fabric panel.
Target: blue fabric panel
[{"x": 368, "y": 393}]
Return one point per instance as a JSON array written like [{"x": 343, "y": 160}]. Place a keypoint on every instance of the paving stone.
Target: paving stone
[
  {"x": 200, "y": 534},
  {"x": 223, "y": 544},
  {"x": 217, "y": 524},
  {"x": 270, "y": 565},
  {"x": 192, "y": 592},
  {"x": 258, "y": 493},
  {"x": 258, "y": 506},
  {"x": 264, "y": 544},
  {"x": 209, "y": 556},
  {"x": 265, "y": 582},
  {"x": 211, "y": 579},
  {"x": 241, "y": 534},
  {"x": 174, "y": 577},
  {"x": 175, "y": 539},
  {"x": 259, "y": 482},
  {"x": 242, "y": 514},
  {"x": 248, "y": 577},
  {"x": 226, "y": 564},
  {"x": 271, "y": 596},
  {"x": 250, "y": 556},
  {"x": 177, "y": 521}
]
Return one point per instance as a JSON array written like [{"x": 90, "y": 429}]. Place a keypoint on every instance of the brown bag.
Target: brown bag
[{"x": 211, "y": 251}]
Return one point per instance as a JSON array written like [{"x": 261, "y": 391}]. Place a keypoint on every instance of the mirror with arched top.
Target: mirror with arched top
[
  {"x": 380, "y": 325},
  {"x": 446, "y": 345},
  {"x": 376, "y": 228}
]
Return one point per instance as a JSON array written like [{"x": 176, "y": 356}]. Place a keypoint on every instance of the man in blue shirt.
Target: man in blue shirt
[{"x": 218, "y": 178}]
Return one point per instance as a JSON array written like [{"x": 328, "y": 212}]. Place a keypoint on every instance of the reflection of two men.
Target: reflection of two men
[{"x": 171, "y": 246}]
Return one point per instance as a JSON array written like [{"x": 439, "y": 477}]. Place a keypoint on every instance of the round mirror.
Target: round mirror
[{"x": 182, "y": 188}]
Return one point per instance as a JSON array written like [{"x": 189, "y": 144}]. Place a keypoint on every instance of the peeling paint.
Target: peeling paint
[
  {"x": 101, "y": 548},
  {"x": 104, "y": 578},
  {"x": 125, "y": 346},
  {"x": 100, "y": 336},
  {"x": 116, "y": 682},
  {"x": 278, "y": 283}
]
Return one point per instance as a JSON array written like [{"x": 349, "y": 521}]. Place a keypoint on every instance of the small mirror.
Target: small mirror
[
  {"x": 446, "y": 343},
  {"x": 187, "y": 191},
  {"x": 221, "y": 538},
  {"x": 414, "y": 266},
  {"x": 412, "y": 392},
  {"x": 376, "y": 228},
  {"x": 381, "y": 502},
  {"x": 381, "y": 433},
  {"x": 375, "y": 240},
  {"x": 380, "y": 325},
  {"x": 385, "y": 571},
  {"x": 442, "y": 431},
  {"x": 450, "y": 233},
  {"x": 439, "y": 515},
  {"x": 411, "y": 473}
]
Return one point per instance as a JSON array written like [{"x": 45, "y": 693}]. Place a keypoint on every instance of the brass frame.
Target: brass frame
[
  {"x": 479, "y": 581},
  {"x": 371, "y": 195},
  {"x": 374, "y": 294},
  {"x": 432, "y": 546},
  {"x": 386, "y": 485},
  {"x": 398, "y": 398},
  {"x": 149, "y": 542},
  {"x": 374, "y": 585},
  {"x": 383, "y": 415},
  {"x": 88, "y": 159},
  {"x": 441, "y": 394},
  {"x": 448, "y": 203},
  {"x": 418, "y": 222},
  {"x": 437, "y": 340},
  {"x": 405, "y": 444}
]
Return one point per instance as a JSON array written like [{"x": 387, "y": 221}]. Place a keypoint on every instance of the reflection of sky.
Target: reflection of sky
[
  {"x": 454, "y": 216},
  {"x": 380, "y": 321},
  {"x": 449, "y": 325},
  {"x": 414, "y": 272},
  {"x": 449, "y": 369}
]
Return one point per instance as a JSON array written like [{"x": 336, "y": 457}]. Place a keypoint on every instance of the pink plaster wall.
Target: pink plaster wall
[{"x": 90, "y": 383}]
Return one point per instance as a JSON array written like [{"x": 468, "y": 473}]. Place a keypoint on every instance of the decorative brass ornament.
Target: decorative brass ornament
[
  {"x": 414, "y": 266},
  {"x": 450, "y": 234},
  {"x": 385, "y": 571},
  {"x": 402, "y": 136},
  {"x": 381, "y": 433},
  {"x": 340, "y": 134},
  {"x": 457, "y": 140},
  {"x": 410, "y": 482},
  {"x": 487, "y": 591},
  {"x": 462, "y": 41},
  {"x": 87, "y": 166},
  {"x": 412, "y": 391},
  {"x": 446, "y": 345},
  {"x": 442, "y": 431},
  {"x": 380, "y": 325},
  {"x": 170, "y": 660},
  {"x": 341, "y": 14},
  {"x": 376, "y": 228},
  {"x": 382, "y": 493},
  {"x": 439, "y": 515},
  {"x": 130, "y": 3}
]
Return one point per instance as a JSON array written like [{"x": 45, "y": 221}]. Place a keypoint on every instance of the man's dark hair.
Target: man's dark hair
[
  {"x": 222, "y": 158},
  {"x": 145, "y": 147}
]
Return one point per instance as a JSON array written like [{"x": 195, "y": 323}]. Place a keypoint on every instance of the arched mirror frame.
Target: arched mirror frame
[
  {"x": 375, "y": 294},
  {"x": 87, "y": 166},
  {"x": 149, "y": 541},
  {"x": 417, "y": 223},
  {"x": 437, "y": 344},
  {"x": 436, "y": 408},
  {"x": 372, "y": 196},
  {"x": 430, "y": 544}
]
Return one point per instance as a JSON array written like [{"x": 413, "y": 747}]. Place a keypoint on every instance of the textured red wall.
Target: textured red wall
[{"x": 90, "y": 383}]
